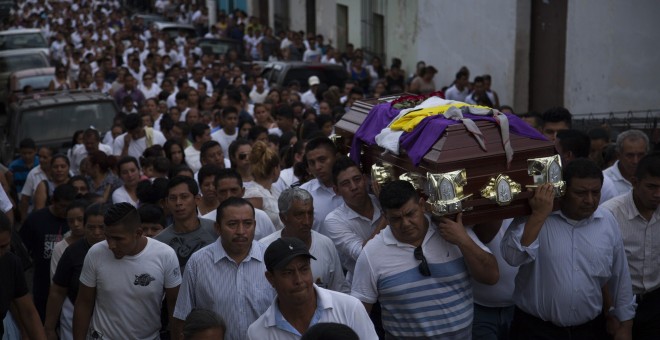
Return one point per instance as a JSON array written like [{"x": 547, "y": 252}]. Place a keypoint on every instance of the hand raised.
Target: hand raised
[
  {"x": 453, "y": 231},
  {"x": 543, "y": 199}
]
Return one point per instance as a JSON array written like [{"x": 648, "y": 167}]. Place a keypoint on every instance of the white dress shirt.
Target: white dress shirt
[
  {"x": 621, "y": 185},
  {"x": 348, "y": 230},
  {"x": 330, "y": 307},
  {"x": 641, "y": 239},
  {"x": 325, "y": 201}
]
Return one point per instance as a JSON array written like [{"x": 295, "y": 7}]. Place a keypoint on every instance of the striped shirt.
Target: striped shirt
[
  {"x": 561, "y": 273},
  {"x": 239, "y": 293},
  {"x": 414, "y": 305}
]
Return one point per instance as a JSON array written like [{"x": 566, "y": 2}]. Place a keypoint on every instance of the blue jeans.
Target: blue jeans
[{"x": 491, "y": 323}]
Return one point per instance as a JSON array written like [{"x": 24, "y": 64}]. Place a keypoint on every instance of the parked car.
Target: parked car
[
  {"x": 219, "y": 46},
  {"x": 148, "y": 18},
  {"x": 19, "y": 39},
  {"x": 5, "y": 8},
  {"x": 172, "y": 29},
  {"x": 23, "y": 59},
  {"x": 51, "y": 118},
  {"x": 281, "y": 73},
  {"x": 38, "y": 79}
]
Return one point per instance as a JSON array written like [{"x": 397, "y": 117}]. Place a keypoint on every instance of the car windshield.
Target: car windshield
[
  {"x": 60, "y": 122},
  {"x": 36, "y": 82},
  {"x": 217, "y": 47},
  {"x": 22, "y": 62},
  {"x": 19, "y": 41},
  {"x": 173, "y": 32}
]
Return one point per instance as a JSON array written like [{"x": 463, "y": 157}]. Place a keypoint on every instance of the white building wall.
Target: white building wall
[
  {"x": 478, "y": 34},
  {"x": 612, "y": 56},
  {"x": 401, "y": 33},
  {"x": 354, "y": 21},
  {"x": 298, "y": 15},
  {"x": 326, "y": 21}
]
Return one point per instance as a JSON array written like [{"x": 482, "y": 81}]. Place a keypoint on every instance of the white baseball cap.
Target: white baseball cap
[{"x": 313, "y": 80}]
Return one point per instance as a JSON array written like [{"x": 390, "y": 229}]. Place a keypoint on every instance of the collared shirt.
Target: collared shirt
[
  {"x": 641, "y": 239},
  {"x": 325, "y": 201},
  {"x": 561, "y": 273},
  {"x": 608, "y": 190},
  {"x": 330, "y": 307},
  {"x": 238, "y": 292},
  {"x": 326, "y": 269},
  {"x": 348, "y": 230},
  {"x": 436, "y": 306},
  {"x": 621, "y": 185}
]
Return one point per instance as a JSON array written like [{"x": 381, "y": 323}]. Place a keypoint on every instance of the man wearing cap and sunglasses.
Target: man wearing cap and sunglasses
[
  {"x": 301, "y": 304},
  {"x": 420, "y": 272}
]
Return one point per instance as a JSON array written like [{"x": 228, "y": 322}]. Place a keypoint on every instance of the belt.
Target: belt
[
  {"x": 647, "y": 296},
  {"x": 595, "y": 323}
]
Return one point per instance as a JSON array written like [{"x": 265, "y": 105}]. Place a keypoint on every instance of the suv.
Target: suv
[
  {"x": 51, "y": 118},
  {"x": 282, "y": 73}
]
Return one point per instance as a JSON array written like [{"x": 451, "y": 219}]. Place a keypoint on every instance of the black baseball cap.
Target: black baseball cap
[{"x": 283, "y": 250}]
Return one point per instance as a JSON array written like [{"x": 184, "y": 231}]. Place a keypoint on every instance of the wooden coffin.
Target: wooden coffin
[{"x": 457, "y": 149}]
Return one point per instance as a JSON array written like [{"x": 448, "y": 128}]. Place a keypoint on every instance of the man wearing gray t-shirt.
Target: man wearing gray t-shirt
[{"x": 188, "y": 233}]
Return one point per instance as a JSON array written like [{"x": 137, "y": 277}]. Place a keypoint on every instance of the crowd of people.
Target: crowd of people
[{"x": 219, "y": 206}]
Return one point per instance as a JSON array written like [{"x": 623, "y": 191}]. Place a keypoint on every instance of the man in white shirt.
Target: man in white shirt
[
  {"x": 91, "y": 142},
  {"x": 355, "y": 221},
  {"x": 259, "y": 93},
  {"x": 300, "y": 303},
  {"x": 123, "y": 280},
  {"x": 198, "y": 77},
  {"x": 459, "y": 90},
  {"x": 638, "y": 214},
  {"x": 228, "y": 183},
  {"x": 321, "y": 153},
  {"x": 309, "y": 97},
  {"x": 34, "y": 177},
  {"x": 201, "y": 133},
  {"x": 631, "y": 146},
  {"x": 229, "y": 131},
  {"x": 137, "y": 138},
  {"x": 297, "y": 214}
]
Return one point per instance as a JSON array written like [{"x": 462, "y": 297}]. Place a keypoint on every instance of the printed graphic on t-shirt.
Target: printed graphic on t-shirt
[
  {"x": 185, "y": 247},
  {"x": 49, "y": 244},
  {"x": 143, "y": 280}
]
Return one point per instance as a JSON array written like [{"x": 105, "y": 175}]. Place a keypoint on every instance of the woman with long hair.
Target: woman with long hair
[
  {"x": 101, "y": 180},
  {"x": 129, "y": 172},
  {"x": 239, "y": 153},
  {"x": 59, "y": 174},
  {"x": 174, "y": 152},
  {"x": 265, "y": 166}
]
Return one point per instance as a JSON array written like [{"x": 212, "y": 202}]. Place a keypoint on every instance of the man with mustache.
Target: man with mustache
[
  {"x": 227, "y": 276},
  {"x": 565, "y": 258}
]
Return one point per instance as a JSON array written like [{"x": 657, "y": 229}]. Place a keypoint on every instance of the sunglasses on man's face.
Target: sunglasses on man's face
[
  {"x": 424, "y": 266},
  {"x": 242, "y": 156}
]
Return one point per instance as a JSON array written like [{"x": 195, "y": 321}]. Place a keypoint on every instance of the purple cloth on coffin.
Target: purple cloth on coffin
[
  {"x": 419, "y": 141},
  {"x": 377, "y": 119}
]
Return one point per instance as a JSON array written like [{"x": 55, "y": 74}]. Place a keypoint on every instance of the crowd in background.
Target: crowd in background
[{"x": 211, "y": 177}]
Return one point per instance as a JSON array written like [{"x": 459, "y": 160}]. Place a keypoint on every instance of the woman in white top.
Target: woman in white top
[
  {"x": 129, "y": 172},
  {"x": 265, "y": 165}
]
